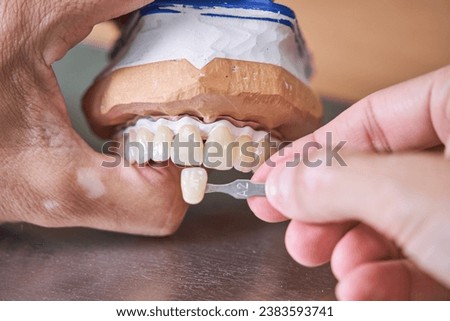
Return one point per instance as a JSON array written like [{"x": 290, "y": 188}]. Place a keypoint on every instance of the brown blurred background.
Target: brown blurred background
[{"x": 361, "y": 46}]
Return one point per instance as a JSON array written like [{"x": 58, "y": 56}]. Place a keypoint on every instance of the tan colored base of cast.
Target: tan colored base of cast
[{"x": 245, "y": 91}]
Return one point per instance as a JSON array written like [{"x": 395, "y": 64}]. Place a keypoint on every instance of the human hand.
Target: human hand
[
  {"x": 49, "y": 176},
  {"x": 383, "y": 220}
]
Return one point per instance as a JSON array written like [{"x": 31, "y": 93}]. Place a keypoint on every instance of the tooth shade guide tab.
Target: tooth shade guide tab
[
  {"x": 205, "y": 129},
  {"x": 193, "y": 184}
]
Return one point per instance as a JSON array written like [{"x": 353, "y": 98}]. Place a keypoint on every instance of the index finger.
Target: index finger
[{"x": 412, "y": 115}]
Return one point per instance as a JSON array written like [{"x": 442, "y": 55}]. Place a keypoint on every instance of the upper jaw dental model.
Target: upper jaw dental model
[{"x": 204, "y": 83}]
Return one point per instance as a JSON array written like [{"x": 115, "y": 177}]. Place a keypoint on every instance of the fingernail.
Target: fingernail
[{"x": 279, "y": 187}]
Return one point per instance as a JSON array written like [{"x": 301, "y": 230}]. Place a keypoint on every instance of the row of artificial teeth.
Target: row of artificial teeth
[
  {"x": 222, "y": 150},
  {"x": 205, "y": 129}
]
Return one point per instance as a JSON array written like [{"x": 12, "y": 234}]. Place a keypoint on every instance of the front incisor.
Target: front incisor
[
  {"x": 193, "y": 184},
  {"x": 145, "y": 138},
  {"x": 192, "y": 154},
  {"x": 130, "y": 152},
  {"x": 218, "y": 149},
  {"x": 264, "y": 151},
  {"x": 245, "y": 154},
  {"x": 162, "y": 144}
]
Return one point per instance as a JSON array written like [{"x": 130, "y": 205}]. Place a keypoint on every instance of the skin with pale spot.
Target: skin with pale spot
[
  {"x": 50, "y": 177},
  {"x": 383, "y": 220}
]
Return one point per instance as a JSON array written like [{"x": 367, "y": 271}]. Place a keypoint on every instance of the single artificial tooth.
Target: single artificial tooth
[
  {"x": 145, "y": 137},
  {"x": 245, "y": 154},
  {"x": 162, "y": 144},
  {"x": 263, "y": 151},
  {"x": 218, "y": 152},
  {"x": 193, "y": 184},
  {"x": 130, "y": 151},
  {"x": 189, "y": 149}
]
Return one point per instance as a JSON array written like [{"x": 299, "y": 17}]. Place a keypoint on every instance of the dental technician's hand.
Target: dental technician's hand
[
  {"x": 48, "y": 175},
  {"x": 384, "y": 219}
]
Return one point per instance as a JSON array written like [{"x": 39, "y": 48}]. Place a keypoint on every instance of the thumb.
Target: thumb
[{"x": 405, "y": 197}]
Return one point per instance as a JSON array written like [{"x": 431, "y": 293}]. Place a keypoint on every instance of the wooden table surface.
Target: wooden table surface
[{"x": 221, "y": 252}]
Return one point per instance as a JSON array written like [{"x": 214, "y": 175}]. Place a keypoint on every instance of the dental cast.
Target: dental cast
[{"x": 231, "y": 33}]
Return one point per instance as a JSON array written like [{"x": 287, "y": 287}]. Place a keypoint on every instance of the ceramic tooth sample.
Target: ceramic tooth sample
[
  {"x": 131, "y": 153},
  {"x": 218, "y": 152},
  {"x": 145, "y": 138},
  {"x": 245, "y": 152},
  {"x": 187, "y": 148},
  {"x": 193, "y": 184},
  {"x": 263, "y": 151},
  {"x": 162, "y": 144}
]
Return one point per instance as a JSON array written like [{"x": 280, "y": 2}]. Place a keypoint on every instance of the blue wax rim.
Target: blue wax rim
[
  {"x": 281, "y": 21},
  {"x": 164, "y": 6},
  {"x": 169, "y": 6}
]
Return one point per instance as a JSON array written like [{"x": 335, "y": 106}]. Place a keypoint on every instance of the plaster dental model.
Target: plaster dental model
[{"x": 211, "y": 73}]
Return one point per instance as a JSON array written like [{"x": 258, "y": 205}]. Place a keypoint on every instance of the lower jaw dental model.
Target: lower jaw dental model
[{"x": 206, "y": 84}]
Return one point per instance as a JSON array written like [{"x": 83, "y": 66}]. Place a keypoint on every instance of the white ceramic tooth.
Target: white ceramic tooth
[
  {"x": 245, "y": 154},
  {"x": 162, "y": 144},
  {"x": 191, "y": 155},
  {"x": 193, "y": 184},
  {"x": 260, "y": 151},
  {"x": 263, "y": 151},
  {"x": 131, "y": 152},
  {"x": 145, "y": 137},
  {"x": 218, "y": 152}
]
